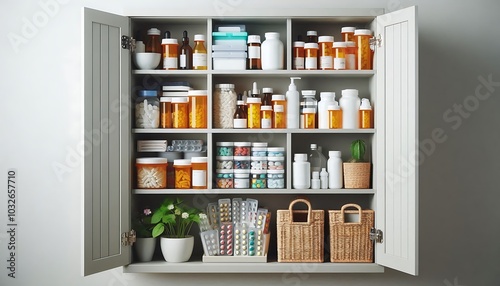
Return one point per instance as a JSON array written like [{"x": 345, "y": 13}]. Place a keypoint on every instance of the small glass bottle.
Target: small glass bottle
[
  {"x": 312, "y": 36},
  {"x": 311, "y": 52},
  {"x": 365, "y": 114},
  {"x": 325, "y": 52},
  {"x": 348, "y": 34},
  {"x": 240, "y": 115},
  {"x": 364, "y": 53},
  {"x": 170, "y": 49},
  {"x": 199, "y": 168},
  {"x": 267, "y": 96},
  {"x": 182, "y": 173},
  {"x": 298, "y": 55},
  {"x": 253, "y": 117},
  {"x": 253, "y": 60},
  {"x": 197, "y": 108},
  {"x": 185, "y": 53},
  {"x": 199, "y": 53},
  {"x": 339, "y": 60},
  {"x": 180, "y": 112},
  {"x": 266, "y": 116},
  {"x": 165, "y": 112},
  {"x": 334, "y": 116}
]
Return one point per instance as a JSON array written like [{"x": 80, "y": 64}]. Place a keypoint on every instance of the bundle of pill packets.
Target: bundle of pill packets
[{"x": 234, "y": 227}]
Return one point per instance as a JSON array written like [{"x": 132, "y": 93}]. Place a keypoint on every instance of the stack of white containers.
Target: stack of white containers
[{"x": 229, "y": 49}]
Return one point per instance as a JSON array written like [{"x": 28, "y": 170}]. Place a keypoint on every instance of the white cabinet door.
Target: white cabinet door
[
  {"x": 107, "y": 137},
  {"x": 397, "y": 140}
]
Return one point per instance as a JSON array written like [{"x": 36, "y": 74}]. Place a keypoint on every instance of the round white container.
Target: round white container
[
  {"x": 301, "y": 172},
  {"x": 349, "y": 103},
  {"x": 272, "y": 52},
  {"x": 335, "y": 180}
]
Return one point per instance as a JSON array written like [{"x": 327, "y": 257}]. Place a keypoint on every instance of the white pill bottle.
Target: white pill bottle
[{"x": 272, "y": 52}]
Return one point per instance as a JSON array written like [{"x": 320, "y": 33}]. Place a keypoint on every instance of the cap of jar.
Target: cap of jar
[
  {"x": 151, "y": 160},
  {"x": 253, "y": 100},
  {"x": 267, "y": 90},
  {"x": 225, "y": 144},
  {"x": 362, "y": 32},
  {"x": 322, "y": 39},
  {"x": 242, "y": 144},
  {"x": 340, "y": 45},
  {"x": 180, "y": 99},
  {"x": 165, "y": 99},
  {"x": 266, "y": 107},
  {"x": 351, "y": 44},
  {"x": 195, "y": 92},
  {"x": 199, "y": 159},
  {"x": 312, "y": 33},
  {"x": 168, "y": 41},
  {"x": 278, "y": 97},
  {"x": 145, "y": 92},
  {"x": 224, "y": 85},
  {"x": 308, "y": 92},
  {"x": 199, "y": 37},
  {"x": 309, "y": 110},
  {"x": 300, "y": 157},
  {"x": 311, "y": 46},
  {"x": 298, "y": 44},
  {"x": 253, "y": 39},
  {"x": 259, "y": 144},
  {"x": 326, "y": 94},
  {"x": 350, "y": 92},
  {"x": 182, "y": 162},
  {"x": 334, "y": 153},
  {"x": 154, "y": 31},
  {"x": 348, "y": 29}
]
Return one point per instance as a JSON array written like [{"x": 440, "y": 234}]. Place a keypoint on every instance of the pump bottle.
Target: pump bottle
[{"x": 292, "y": 99}]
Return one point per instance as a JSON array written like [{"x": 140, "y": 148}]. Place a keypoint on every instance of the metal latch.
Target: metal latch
[
  {"x": 128, "y": 238},
  {"x": 128, "y": 43},
  {"x": 375, "y": 42},
  {"x": 376, "y": 235}
]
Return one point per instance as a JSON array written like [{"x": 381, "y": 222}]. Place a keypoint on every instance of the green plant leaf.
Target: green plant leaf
[
  {"x": 158, "y": 229},
  {"x": 157, "y": 216},
  {"x": 358, "y": 150},
  {"x": 195, "y": 218},
  {"x": 170, "y": 218}
]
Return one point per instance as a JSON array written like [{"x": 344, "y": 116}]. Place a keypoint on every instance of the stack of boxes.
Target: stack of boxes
[{"x": 229, "y": 49}]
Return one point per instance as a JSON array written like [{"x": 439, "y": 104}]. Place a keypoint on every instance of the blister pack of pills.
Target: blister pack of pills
[
  {"x": 241, "y": 239},
  {"x": 210, "y": 242},
  {"x": 236, "y": 210},
  {"x": 204, "y": 223},
  {"x": 260, "y": 244},
  {"x": 261, "y": 218},
  {"x": 225, "y": 213},
  {"x": 226, "y": 239},
  {"x": 252, "y": 241},
  {"x": 213, "y": 215},
  {"x": 252, "y": 207}
]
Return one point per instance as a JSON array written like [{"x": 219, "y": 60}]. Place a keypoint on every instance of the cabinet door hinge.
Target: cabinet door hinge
[
  {"x": 376, "y": 235},
  {"x": 128, "y": 43},
  {"x": 128, "y": 238},
  {"x": 375, "y": 42}
]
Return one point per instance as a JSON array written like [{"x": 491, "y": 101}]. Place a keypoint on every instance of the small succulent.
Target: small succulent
[{"x": 358, "y": 148}]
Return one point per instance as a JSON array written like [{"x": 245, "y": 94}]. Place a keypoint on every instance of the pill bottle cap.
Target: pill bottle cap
[
  {"x": 340, "y": 45},
  {"x": 334, "y": 153},
  {"x": 182, "y": 162},
  {"x": 251, "y": 100},
  {"x": 299, "y": 157},
  {"x": 365, "y": 104},
  {"x": 312, "y": 33},
  {"x": 315, "y": 175},
  {"x": 348, "y": 29},
  {"x": 278, "y": 97},
  {"x": 199, "y": 159},
  {"x": 298, "y": 44},
  {"x": 311, "y": 46},
  {"x": 362, "y": 32},
  {"x": 199, "y": 37},
  {"x": 327, "y": 95},
  {"x": 169, "y": 41},
  {"x": 255, "y": 39},
  {"x": 154, "y": 31},
  {"x": 309, "y": 92},
  {"x": 322, "y": 39},
  {"x": 267, "y": 90},
  {"x": 151, "y": 160}
]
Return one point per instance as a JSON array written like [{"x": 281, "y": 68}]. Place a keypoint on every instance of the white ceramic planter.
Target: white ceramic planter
[
  {"x": 177, "y": 249},
  {"x": 145, "y": 248}
]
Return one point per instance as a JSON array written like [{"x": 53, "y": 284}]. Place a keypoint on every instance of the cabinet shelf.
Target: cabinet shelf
[
  {"x": 246, "y": 130},
  {"x": 254, "y": 191},
  {"x": 169, "y": 130},
  {"x": 270, "y": 267},
  {"x": 253, "y": 73}
]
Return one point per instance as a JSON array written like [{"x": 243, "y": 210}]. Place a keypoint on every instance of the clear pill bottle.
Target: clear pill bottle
[{"x": 147, "y": 109}]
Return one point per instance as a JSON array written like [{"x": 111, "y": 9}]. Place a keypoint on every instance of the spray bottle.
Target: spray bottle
[{"x": 292, "y": 99}]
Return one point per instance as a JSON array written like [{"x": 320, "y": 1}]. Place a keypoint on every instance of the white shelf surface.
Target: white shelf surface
[
  {"x": 254, "y": 191},
  {"x": 254, "y": 131},
  {"x": 270, "y": 267},
  {"x": 273, "y": 73}
]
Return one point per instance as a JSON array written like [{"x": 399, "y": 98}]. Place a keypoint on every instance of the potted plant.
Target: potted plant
[
  {"x": 145, "y": 242},
  {"x": 172, "y": 222},
  {"x": 357, "y": 170}
]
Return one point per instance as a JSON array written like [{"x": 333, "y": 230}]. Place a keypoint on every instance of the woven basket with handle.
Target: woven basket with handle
[
  {"x": 300, "y": 241},
  {"x": 350, "y": 241}
]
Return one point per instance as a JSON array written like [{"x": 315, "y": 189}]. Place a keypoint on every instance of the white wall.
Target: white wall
[{"x": 41, "y": 115}]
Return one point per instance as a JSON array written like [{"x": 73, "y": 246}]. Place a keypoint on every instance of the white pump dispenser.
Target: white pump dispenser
[{"x": 292, "y": 99}]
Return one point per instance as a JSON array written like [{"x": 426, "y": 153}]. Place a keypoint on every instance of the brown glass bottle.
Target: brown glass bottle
[
  {"x": 253, "y": 60},
  {"x": 267, "y": 96},
  {"x": 185, "y": 53},
  {"x": 240, "y": 115}
]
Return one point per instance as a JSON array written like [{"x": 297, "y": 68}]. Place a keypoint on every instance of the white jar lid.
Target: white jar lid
[
  {"x": 165, "y": 99},
  {"x": 180, "y": 99},
  {"x": 334, "y": 106},
  {"x": 273, "y": 35},
  {"x": 340, "y": 44},
  {"x": 242, "y": 171},
  {"x": 276, "y": 149},
  {"x": 253, "y": 39},
  {"x": 241, "y": 158},
  {"x": 309, "y": 110},
  {"x": 253, "y": 100},
  {"x": 327, "y": 94},
  {"x": 258, "y": 171},
  {"x": 199, "y": 37},
  {"x": 224, "y": 85},
  {"x": 255, "y": 158},
  {"x": 276, "y": 158},
  {"x": 169, "y": 41},
  {"x": 312, "y": 33},
  {"x": 351, "y": 44},
  {"x": 278, "y": 97},
  {"x": 199, "y": 159},
  {"x": 241, "y": 175},
  {"x": 182, "y": 162},
  {"x": 224, "y": 171},
  {"x": 300, "y": 157},
  {"x": 266, "y": 107},
  {"x": 197, "y": 93},
  {"x": 348, "y": 29},
  {"x": 275, "y": 171},
  {"x": 242, "y": 144},
  {"x": 226, "y": 144},
  {"x": 151, "y": 160},
  {"x": 311, "y": 46},
  {"x": 267, "y": 90},
  {"x": 322, "y": 39},
  {"x": 154, "y": 31},
  {"x": 334, "y": 153},
  {"x": 308, "y": 92},
  {"x": 259, "y": 144},
  {"x": 224, "y": 158},
  {"x": 362, "y": 32},
  {"x": 298, "y": 44}
]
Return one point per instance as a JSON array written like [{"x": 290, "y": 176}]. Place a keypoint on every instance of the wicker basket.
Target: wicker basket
[
  {"x": 350, "y": 241},
  {"x": 357, "y": 175},
  {"x": 300, "y": 241}
]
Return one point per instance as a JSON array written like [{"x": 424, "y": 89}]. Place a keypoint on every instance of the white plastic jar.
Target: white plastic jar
[
  {"x": 349, "y": 103},
  {"x": 272, "y": 52}
]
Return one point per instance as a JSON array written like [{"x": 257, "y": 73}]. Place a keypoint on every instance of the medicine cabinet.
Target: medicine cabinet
[{"x": 111, "y": 83}]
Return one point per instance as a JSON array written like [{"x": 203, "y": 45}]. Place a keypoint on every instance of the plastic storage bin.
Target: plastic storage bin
[{"x": 229, "y": 60}]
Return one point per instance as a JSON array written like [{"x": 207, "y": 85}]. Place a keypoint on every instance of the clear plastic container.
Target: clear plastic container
[
  {"x": 199, "y": 168},
  {"x": 197, "y": 108},
  {"x": 182, "y": 173},
  {"x": 147, "y": 109},
  {"x": 275, "y": 163},
  {"x": 242, "y": 148},
  {"x": 224, "y": 148},
  {"x": 276, "y": 179},
  {"x": 151, "y": 173},
  {"x": 258, "y": 179},
  {"x": 224, "y": 162},
  {"x": 180, "y": 112},
  {"x": 241, "y": 162},
  {"x": 224, "y": 179},
  {"x": 165, "y": 112},
  {"x": 224, "y": 105},
  {"x": 276, "y": 152},
  {"x": 258, "y": 163},
  {"x": 259, "y": 151}
]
